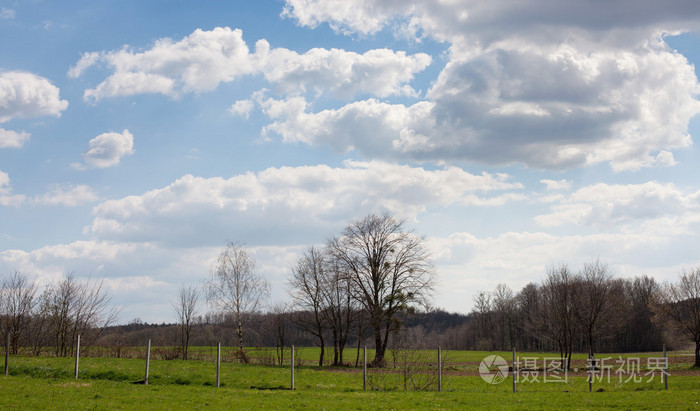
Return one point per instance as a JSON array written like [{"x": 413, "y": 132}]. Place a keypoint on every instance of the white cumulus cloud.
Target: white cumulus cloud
[
  {"x": 546, "y": 84},
  {"x": 6, "y": 196},
  {"x": 107, "y": 149},
  {"x": 12, "y": 139},
  {"x": 204, "y": 59},
  {"x": 295, "y": 204},
  {"x": 26, "y": 95},
  {"x": 69, "y": 196},
  {"x": 242, "y": 108},
  {"x": 633, "y": 207}
]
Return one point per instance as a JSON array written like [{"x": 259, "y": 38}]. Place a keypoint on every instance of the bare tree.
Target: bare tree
[
  {"x": 504, "y": 304},
  {"x": 389, "y": 269},
  {"x": 308, "y": 285},
  {"x": 236, "y": 288},
  {"x": 279, "y": 318},
  {"x": 185, "y": 307},
  {"x": 680, "y": 304},
  {"x": 340, "y": 308},
  {"x": 482, "y": 311},
  {"x": 76, "y": 308},
  {"x": 557, "y": 310},
  {"x": 17, "y": 302},
  {"x": 640, "y": 332},
  {"x": 530, "y": 309},
  {"x": 594, "y": 301}
]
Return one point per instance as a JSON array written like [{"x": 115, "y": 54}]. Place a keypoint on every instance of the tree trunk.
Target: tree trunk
[
  {"x": 323, "y": 347},
  {"x": 239, "y": 331},
  {"x": 378, "y": 348},
  {"x": 590, "y": 350},
  {"x": 697, "y": 354}
]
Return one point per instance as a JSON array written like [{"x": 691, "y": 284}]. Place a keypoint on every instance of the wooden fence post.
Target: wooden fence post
[
  {"x": 148, "y": 362},
  {"x": 7, "y": 354},
  {"x": 515, "y": 376},
  {"x": 665, "y": 369},
  {"x": 218, "y": 365},
  {"x": 364, "y": 372},
  {"x": 590, "y": 373},
  {"x": 77, "y": 356},
  {"x": 439, "y": 369},
  {"x": 292, "y": 368}
]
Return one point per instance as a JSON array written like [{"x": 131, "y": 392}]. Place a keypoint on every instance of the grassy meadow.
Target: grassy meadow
[{"x": 108, "y": 383}]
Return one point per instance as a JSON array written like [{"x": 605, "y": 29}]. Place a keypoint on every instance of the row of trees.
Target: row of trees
[
  {"x": 369, "y": 283},
  {"x": 588, "y": 310},
  {"x": 54, "y": 317}
]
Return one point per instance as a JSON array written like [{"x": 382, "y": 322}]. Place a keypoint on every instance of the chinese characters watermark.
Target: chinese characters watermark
[{"x": 494, "y": 369}]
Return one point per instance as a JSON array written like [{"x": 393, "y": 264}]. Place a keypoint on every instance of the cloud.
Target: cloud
[
  {"x": 107, "y": 149},
  {"x": 553, "y": 185},
  {"x": 662, "y": 208},
  {"x": 289, "y": 205},
  {"x": 547, "y": 85},
  {"x": 12, "y": 139},
  {"x": 26, "y": 95},
  {"x": 372, "y": 127},
  {"x": 6, "y": 196},
  {"x": 379, "y": 72},
  {"x": 7, "y": 14},
  {"x": 69, "y": 196},
  {"x": 242, "y": 108},
  {"x": 454, "y": 21},
  {"x": 467, "y": 263},
  {"x": 86, "y": 61},
  {"x": 204, "y": 59}
]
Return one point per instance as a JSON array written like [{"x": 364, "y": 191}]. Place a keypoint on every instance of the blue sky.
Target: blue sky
[{"x": 136, "y": 138}]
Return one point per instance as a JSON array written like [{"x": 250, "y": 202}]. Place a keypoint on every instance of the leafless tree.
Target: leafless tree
[
  {"x": 185, "y": 307},
  {"x": 307, "y": 289},
  {"x": 236, "y": 288},
  {"x": 389, "y": 268},
  {"x": 640, "y": 332},
  {"x": 557, "y": 310},
  {"x": 595, "y": 298},
  {"x": 16, "y": 304},
  {"x": 504, "y": 304},
  {"x": 530, "y": 309},
  {"x": 680, "y": 304},
  {"x": 482, "y": 312},
  {"x": 279, "y": 318},
  {"x": 76, "y": 308},
  {"x": 414, "y": 361},
  {"x": 341, "y": 309}
]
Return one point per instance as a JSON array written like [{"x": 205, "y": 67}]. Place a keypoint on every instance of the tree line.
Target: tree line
[{"x": 371, "y": 285}]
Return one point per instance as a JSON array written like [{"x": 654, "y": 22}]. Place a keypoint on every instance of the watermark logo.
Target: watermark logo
[{"x": 493, "y": 369}]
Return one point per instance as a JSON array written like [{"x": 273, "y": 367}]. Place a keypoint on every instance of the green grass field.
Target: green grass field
[{"x": 108, "y": 383}]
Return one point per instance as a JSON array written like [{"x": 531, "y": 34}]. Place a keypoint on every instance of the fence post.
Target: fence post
[
  {"x": 439, "y": 369},
  {"x": 515, "y": 377},
  {"x": 665, "y": 369},
  {"x": 218, "y": 365},
  {"x": 148, "y": 362},
  {"x": 590, "y": 373},
  {"x": 364, "y": 371},
  {"x": 77, "y": 356},
  {"x": 292, "y": 368},
  {"x": 7, "y": 354}
]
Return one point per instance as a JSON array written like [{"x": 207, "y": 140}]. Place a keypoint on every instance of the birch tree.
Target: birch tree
[{"x": 234, "y": 287}]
